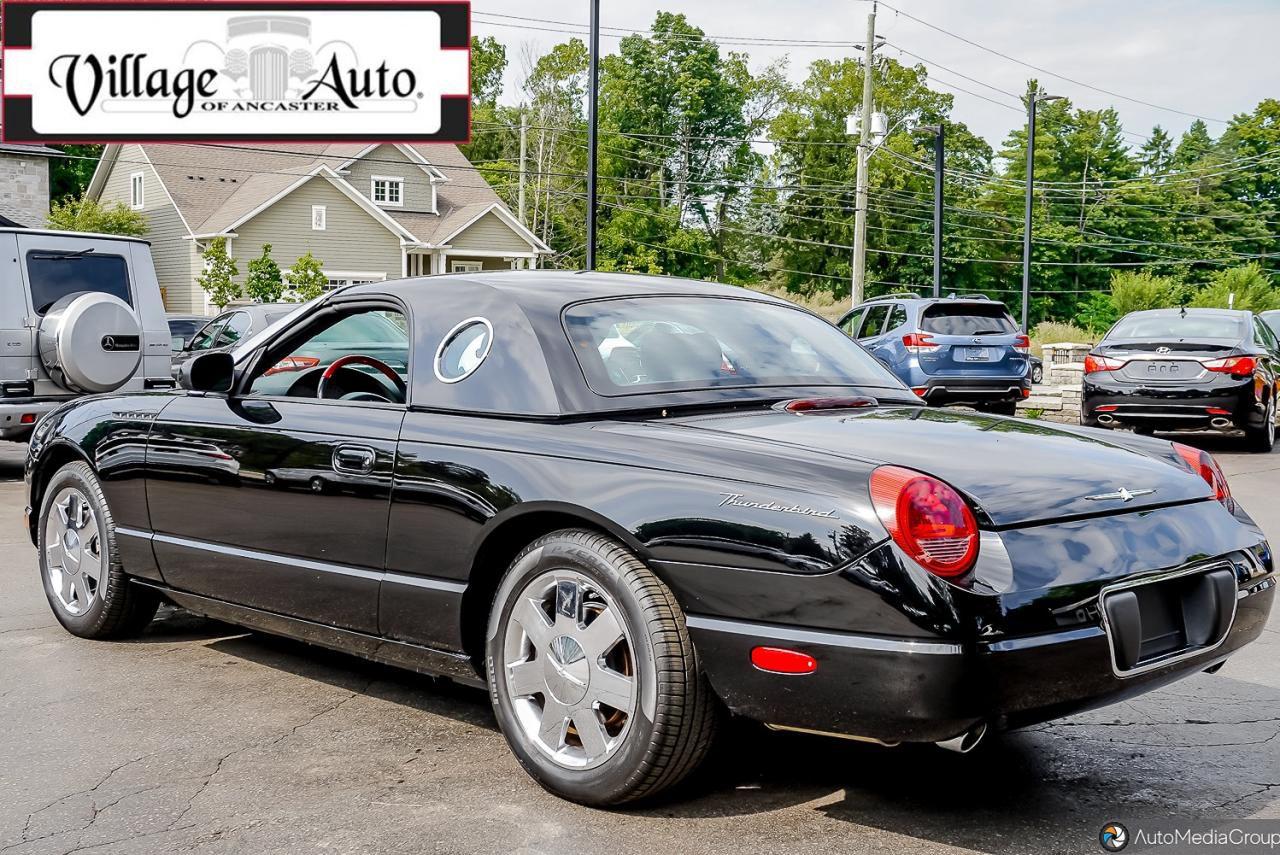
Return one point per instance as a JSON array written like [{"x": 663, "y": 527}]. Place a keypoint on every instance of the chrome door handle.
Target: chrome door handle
[{"x": 354, "y": 459}]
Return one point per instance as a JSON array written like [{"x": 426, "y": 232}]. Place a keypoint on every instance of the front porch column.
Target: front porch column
[{"x": 438, "y": 261}]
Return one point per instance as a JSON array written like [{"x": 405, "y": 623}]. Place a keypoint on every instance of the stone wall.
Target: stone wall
[
  {"x": 24, "y": 188},
  {"x": 1057, "y": 399}
]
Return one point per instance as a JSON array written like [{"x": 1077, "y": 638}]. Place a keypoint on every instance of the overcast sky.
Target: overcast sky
[{"x": 1212, "y": 59}]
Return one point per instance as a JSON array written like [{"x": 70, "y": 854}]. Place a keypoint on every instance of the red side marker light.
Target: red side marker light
[
  {"x": 27, "y": 419},
  {"x": 779, "y": 660},
  {"x": 1217, "y": 411}
]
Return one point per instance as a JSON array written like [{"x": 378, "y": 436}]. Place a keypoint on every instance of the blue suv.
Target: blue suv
[{"x": 952, "y": 350}]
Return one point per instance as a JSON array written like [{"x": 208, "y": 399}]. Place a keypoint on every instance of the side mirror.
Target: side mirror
[{"x": 208, "y": 372}]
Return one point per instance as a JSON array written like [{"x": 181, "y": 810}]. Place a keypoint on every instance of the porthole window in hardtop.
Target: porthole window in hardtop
[{"x": 463, "y": 349}]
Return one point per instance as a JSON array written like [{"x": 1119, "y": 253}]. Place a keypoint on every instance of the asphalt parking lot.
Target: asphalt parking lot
[{"x": 200, "y": 737}]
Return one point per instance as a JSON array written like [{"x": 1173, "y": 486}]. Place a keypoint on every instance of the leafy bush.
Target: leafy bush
[
  {"x": 218, "y": 277},
  {"x": 1245, "y": 287},
  {"x": 1054, "y": 332},
  {"x": 263, "y": 282},
  {"x": 87, "y": 215},
  {"x": 822, "y": 303},
  {"x": 306, "y": 280},
  {"x": 1098, "y": 313},
  {"x": 1138, "y": 290}
]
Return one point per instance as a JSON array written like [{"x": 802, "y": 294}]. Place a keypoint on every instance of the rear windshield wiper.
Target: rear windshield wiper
[{"x": 62, "y": 256}]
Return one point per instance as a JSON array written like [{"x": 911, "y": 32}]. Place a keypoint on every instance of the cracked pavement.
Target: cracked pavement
[{"x": 200, "y": 737}]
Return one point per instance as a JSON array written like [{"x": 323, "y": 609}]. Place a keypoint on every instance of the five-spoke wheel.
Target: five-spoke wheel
[
  {"x": 86, "y": 586},
  {"x": 593, "y": 678}
]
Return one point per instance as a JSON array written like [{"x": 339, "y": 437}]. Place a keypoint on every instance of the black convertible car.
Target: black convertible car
[{"x": 627, "y": 503}]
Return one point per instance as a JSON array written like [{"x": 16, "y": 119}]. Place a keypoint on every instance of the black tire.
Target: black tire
[
  {"x": 1263, "y": 438},
  {"x": 654, "y": 754},
  {"x": 119, "y": 608},
  {"x": 1000, "y": 408}
]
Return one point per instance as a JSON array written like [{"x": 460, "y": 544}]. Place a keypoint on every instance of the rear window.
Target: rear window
[
  {"x": 54, "y": 274},
  {"x": 1175, "y": 326},
  {"x": 642, "y": 345},
  {"x": 967, "y": 319}
]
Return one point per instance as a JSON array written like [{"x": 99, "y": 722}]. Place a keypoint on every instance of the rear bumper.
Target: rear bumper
[
  {"x": 1187, "y": 407},
  {"x": 19, "y": 417},
  {"x": 952, "y": 390},
  {"x": 905, "y": 690}
]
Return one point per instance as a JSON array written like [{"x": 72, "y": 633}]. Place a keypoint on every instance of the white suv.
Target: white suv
[{"x": 79, "y": 314}]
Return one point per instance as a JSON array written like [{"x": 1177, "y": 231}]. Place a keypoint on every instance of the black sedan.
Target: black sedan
[
  {"x": 628, "y": 504},
  {"x": 224, "y": 332},
  {"x": 1176, "y": 369}
]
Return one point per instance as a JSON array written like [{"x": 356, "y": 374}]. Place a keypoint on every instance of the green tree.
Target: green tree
[
  {"x": 218, "y": 276},
  {"x": 1138, "y": 290},
  {"x": 1157, "y": 152},
  {"x": 263, "y": 282},
  {"x": 88, "y": 215},
  {"x": 306, "y": 280},
  {"x": 488, "y": 65},
  {"x": 1246, "y": 287},
  {"x": 69, "y": 176}
]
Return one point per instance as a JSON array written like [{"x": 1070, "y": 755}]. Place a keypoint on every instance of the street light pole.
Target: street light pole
[
  {"x": 593, "y": 72},
  {"x": 1032, "y": 99}
]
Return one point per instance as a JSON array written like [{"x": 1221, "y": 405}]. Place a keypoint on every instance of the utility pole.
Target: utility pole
[
  {"x": 864, "y": 147},
  {"x": 939, "y": 149},
  {"x": 524, "y": 146},
  {"x": 593, "y": 76},
  {"x": 1036, "y": 96}
]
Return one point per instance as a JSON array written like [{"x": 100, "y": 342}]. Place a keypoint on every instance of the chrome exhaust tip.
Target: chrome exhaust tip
[
  {"x": 1220, "y": 423},
  {"x": 1106, "y": 419},
  {"x": 967, "y": 741}
]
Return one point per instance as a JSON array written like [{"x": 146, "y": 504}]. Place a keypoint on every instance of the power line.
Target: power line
[{"x": 1043, "y": 70}]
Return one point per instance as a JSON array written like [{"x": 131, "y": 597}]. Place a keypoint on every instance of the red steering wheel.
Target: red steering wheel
[{"x": 360, "y": 359}]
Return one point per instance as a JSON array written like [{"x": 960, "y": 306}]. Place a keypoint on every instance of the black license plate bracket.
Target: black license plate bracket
[{"x": 1157, "y": 622}]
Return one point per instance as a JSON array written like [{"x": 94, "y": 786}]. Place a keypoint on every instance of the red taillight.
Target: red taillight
[
  {"x": 1202, "y": 463},
  {"x": 1026, "y": 393},
  {"x": 927, "y": 518},
  {"x": 779, "y": 660},
  {"x": 1237, "y": 366},
  {"x": 921, "y": 391},
  {"x": 1217, "y": 411},
  {"x": 919, "y": 343},
  {"x": 1094, "y": 364},
  {"x": 292, "y": 363},
  {"x": 1022, "y": 343}
]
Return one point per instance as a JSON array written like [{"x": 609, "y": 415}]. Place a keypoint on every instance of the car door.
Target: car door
[
  {"x": 274, "y": 498},
  {"x": 873, "y": 326},
  {"x": 883, "y": 345}
]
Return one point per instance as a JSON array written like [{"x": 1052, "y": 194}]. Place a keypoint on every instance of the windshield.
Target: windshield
[
  {"x": 650, "y": 344},
  {"x": 967, "y": 319},
  {"x": 1177, "y": 326}
]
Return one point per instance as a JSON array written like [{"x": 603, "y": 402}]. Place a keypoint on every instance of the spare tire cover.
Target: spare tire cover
[{"x": 90, "y": 342}]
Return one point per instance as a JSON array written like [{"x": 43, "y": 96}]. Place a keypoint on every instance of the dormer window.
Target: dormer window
[{"x": 387, "y": 191}]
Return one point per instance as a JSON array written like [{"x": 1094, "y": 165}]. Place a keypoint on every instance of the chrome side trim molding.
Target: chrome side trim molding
[
  {"x": 448, "y": 585},
  {"x": 830, "y": 639},
  {"x": 133, "y": 532}
]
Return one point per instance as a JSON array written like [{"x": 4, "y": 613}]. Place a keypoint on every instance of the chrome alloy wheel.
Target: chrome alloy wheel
[
  {"x": 569, "y": 669},
  {"x": 73, "y": 551}
]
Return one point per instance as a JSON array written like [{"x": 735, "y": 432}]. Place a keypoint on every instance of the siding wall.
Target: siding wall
[
  {"x": 171, "y": 250},
  {"x": 352, "y": 241},
  {"x": 389, "y": 161},
  {"x": 489, "y": 233}
]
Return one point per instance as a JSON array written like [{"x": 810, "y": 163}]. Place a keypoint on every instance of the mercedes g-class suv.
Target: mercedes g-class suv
[{"x": 79, "y": 314}]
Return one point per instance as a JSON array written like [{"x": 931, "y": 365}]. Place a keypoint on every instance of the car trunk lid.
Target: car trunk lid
[
  {"x": 970, "y": 338},
  {"x": 1017, "y": 472}
]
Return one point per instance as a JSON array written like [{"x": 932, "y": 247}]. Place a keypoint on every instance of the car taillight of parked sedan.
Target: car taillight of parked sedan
[
  {"x": 1236, "y": 366},
  {"x": 1093, "y": 364}
]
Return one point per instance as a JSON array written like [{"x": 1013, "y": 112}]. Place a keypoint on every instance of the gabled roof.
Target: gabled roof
[{"x": 216, "y": 186}]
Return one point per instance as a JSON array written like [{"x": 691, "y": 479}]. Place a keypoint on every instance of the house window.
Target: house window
[
  {"x": 387, "y": 191},
  {"x": 135, "y": 191},
  {"x": 317, "y": 218},
  {"x": 466, "y": 266},
  {"x": 338, "y": 278}
]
